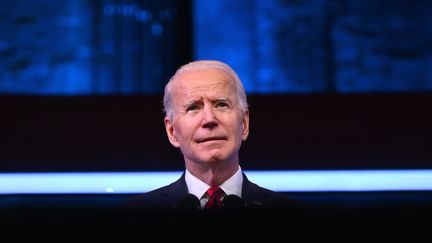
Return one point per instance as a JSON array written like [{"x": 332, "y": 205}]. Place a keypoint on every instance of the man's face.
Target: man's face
[{"x": 208, "y": 125}]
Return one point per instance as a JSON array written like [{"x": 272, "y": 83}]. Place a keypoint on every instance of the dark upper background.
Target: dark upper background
[{"x": 332, "y": 84}]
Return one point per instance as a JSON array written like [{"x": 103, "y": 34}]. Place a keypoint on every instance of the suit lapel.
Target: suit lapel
[{"x": 252, "y": 194}]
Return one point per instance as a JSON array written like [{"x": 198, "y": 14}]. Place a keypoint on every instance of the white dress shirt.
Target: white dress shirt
[{"x": 232, "y": 185}]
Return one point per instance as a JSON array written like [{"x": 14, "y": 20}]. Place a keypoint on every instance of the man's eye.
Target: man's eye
[
  {"x": 221, "y": 105},
  {"x": 192, "y": 108}
]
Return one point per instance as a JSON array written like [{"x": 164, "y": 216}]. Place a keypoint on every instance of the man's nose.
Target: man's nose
[{"x": 209, "y": 117}]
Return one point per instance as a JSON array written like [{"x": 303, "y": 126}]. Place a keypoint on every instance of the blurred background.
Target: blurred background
[{"x": 332, "y": 84}]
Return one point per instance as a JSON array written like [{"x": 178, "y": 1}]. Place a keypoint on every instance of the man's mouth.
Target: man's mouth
[{"x": 207, "y": 139}]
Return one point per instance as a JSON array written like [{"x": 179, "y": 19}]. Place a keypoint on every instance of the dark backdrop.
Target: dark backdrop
[{"x": 120, "y": 133}]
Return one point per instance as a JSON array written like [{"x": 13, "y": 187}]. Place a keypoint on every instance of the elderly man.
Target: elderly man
[{"x": 207, "y": 118}]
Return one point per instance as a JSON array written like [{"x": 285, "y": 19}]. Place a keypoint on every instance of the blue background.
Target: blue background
[{"x": 79, "y": 47}]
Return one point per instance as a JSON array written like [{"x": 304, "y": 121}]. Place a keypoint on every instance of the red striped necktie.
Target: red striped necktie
[{"x": 214, "y": 198}]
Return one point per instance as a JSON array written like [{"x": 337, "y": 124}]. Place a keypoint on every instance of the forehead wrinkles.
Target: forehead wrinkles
[
  {"x": 209, "y": 90},
  {"x": 194, "y": 87}
]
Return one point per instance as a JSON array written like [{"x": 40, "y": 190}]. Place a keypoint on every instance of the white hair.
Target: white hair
[{"x": 200, "y": 65}]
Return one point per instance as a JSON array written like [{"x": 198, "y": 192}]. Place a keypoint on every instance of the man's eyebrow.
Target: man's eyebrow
[
  {"x": 191, "y": 102},
  {"x": 222, "y": 99}
]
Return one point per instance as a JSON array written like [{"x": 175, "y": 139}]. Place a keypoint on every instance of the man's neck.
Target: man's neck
[{"x": 213, "y": 175}]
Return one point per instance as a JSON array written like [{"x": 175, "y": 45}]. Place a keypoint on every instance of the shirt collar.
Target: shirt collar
[{"x": 232, "y": 185}]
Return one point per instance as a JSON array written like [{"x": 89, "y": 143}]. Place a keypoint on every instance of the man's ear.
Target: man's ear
[
  {"x": 245, "y": 131},
  {"x": 169, "y": 128}
]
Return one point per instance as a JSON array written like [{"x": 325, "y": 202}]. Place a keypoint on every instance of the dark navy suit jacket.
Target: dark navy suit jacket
[
  {"x": 261, "y": 209},
  {"x": 166, "y": 199}
]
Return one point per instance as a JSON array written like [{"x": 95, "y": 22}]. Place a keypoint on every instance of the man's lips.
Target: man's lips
[{"x": 206, "y": 139}]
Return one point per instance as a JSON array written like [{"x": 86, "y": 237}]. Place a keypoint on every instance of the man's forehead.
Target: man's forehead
[
  {"x": 210, "y": 90},
  {"x": 212, "y": 93},
  {"x": 193, "y": 99},
  {"x": 204, "y": 83},
  {"x": 206, "y": 68}
]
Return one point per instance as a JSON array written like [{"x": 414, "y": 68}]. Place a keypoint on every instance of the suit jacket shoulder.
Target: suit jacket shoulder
[
  {"x": 256, "y": 196},
  {"x": 161, "y": 199}
]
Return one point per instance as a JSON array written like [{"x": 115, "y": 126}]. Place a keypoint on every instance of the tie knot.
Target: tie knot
[
  {"x": 214, "y": 192},
  {"x": 214, "y": 198}
]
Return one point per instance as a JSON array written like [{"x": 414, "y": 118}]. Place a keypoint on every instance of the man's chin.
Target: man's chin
[
  {"x": 214, "y": 158},
  {"x": 212, "y": 155}
]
